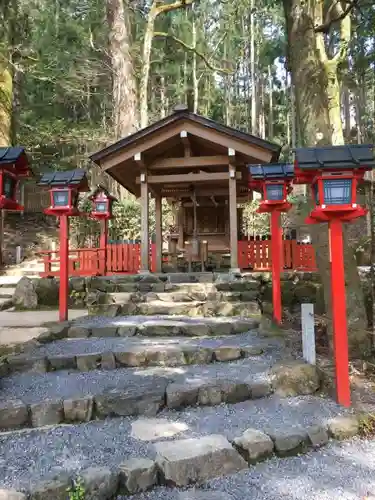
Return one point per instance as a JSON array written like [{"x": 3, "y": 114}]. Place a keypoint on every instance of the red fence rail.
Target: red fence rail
[
  {"x": 256, "y": 255},
  {"x": 125, "y": 258}
]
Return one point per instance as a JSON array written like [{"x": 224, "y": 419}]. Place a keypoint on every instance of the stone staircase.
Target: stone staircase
[
  {"x": 206, "y": 294},
  {"x": 129, "y": 402}
]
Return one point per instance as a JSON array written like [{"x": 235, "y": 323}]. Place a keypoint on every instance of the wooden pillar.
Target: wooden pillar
[
  {"x": 180, "y": 226},
  {"x": 158, "y": 232},
  {"x": 145, "y": 245},
  {"x": 233, "y": 227}
]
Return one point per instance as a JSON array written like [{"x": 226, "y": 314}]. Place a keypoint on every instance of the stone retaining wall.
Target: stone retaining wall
[{"x": 184, "y": 462}]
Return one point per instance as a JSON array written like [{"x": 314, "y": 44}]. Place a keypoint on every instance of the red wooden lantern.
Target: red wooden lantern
[
  {"x": 64, "y": 189},
  {"x": 14, "y": 165},
  {"x": 334, "y": 173},
  {"x": 102, "y": 203},
  {"x": 274, "y": 182}
]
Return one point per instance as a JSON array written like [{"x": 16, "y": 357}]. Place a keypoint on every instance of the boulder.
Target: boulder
[
  {"x": 108, "y": 361},
  {"x": 137, "y": 475},
  {"x": 78, "y": 410},
  {"x": 188, "y": 461},
  {"x": 197, "y": 355},
  {"x": 343, "y": 427},
  {"x": 78, "y": 332},
  {"x": 318, "y": 436},
  {"x": 25, "y": 296},
  {"x": 132, "y": 357},
  {"x": 47, "y": 412},
  {"x": 47, "y": 290},
  {"x": 289, "y": 441},
  {"x": 254, "y": 445},
  {"x": 55, "y": 331},
  {"x": 227, "y": 353},
  {"x": 26, "y": 363},
  {"x": 100, "y": 483},
  {"x": 140, "y": 397},
  {"x": 62, "y": 362},
  {"x": 295, "y": 378},
  {"x": 51, "y": 489},
  {"x": 181, "y": 394},
  {"x": 88, "y": 362},
  {"x": 13, "y": 414}
]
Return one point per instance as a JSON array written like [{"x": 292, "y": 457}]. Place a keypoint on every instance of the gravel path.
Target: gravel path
[
  {"x": 340, "y": 471},
  {"x": 43, "y": 453},
  {"x": 117, "y": 344},
  {"x": 63, "y": 384},
  {"x": 125, "y": 320}
]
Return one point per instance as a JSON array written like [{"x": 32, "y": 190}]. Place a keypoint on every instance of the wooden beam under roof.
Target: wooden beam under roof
[
  {"x": 189, "y": 178},
  {"x": 190, "y": 162}
]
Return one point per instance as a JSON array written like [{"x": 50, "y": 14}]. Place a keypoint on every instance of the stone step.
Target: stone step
[
  {"x": 129, "y": 455},
  {"x": 111, "y": 353},
  {"x": 6, "y": 292},
  {"x": 181, "y": 296},
  {"x": 5, "y": 303},
  {"x": 149, "y": 326},
  {"x": 192, "y": 309},
  {"x": 36, "y": 400},
  {"x": 165, "y": 283}
]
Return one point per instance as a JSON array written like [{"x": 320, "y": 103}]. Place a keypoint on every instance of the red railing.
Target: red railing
[
  {"x": 256, "y": 255},
  {"x": 125, "y": 258},
  {"x": 121, "y": 259}
]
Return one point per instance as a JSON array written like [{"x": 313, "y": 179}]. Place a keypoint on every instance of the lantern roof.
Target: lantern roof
[
  {"x": 272, "y": 171},
  {"x": 101, "y": 189},
  {"x": 15, "y": 156},
  {"x": 72, "y": 178},
  {"x": 347, "y": 157}
]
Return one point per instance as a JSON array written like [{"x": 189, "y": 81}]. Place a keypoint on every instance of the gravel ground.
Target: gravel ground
[
  {"x": 63, "y": 384},
  {"x": 125, "y": 320},
  {"x": 340, "y": 471},
  {"x": 32, "y": 454},
  {"x": 117, "y": 344}
]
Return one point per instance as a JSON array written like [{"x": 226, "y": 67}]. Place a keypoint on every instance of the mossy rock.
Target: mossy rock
[{"x": 295, "y": 378}]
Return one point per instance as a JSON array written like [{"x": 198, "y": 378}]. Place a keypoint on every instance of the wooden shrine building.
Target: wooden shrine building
[{"x": 200, "y": 166}]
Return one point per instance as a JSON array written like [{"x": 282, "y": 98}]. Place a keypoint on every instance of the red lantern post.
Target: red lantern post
[
  {"x": 273, "y": 181},
  {"x": 102, "y": 202},
  {"x": 14, "y": 164},
  {"x": 64, "y": 189},
  {"x": 334, "y": 173}
]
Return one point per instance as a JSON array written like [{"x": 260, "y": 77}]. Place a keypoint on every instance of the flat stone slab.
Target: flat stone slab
[
  {"x": 109, "y": 443},
  {"x": 187, "y": 461},
  {"x": 158, "y": 325},
  {"x": 87, "y": 354}
]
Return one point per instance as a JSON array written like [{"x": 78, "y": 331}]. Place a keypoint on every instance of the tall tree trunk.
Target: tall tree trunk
[
  {"x": 6, "y": 99},
  {"x": 270, "y": 100},
  {"x": 156, "y": 9},
  {"x": 124, "y": 93},
  {"x": 194, "y": 75},
  {"x": 252, "y": 71},
  {"x": 318, "y": 111},
  {"x": 125, "y": 109}
]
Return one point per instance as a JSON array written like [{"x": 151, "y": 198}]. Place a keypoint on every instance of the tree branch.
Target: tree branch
[
  {"x": 180, "y": 4},
  {"x": 341, "y": 15},
  {"x": 195, "y": 51},
  {"x": 345, "y": 34}
]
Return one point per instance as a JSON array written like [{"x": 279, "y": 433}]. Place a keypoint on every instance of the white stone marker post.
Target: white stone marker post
[{"x": 308, "y": 333}]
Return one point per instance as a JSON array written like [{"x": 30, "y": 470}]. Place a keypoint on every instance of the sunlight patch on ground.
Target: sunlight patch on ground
[{"x": 155, "y": 428}]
